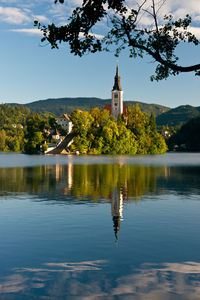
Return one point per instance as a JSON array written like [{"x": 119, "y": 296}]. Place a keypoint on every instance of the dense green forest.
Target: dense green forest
[
  {"x": 187, "y": 138},
  {"x": 21, "y": 129},
  {"x": 13, "y": 127},
  {"x": 98, "y": 133}
]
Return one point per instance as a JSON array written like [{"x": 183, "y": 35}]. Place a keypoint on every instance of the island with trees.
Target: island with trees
[{"x": 96, "y": 132}]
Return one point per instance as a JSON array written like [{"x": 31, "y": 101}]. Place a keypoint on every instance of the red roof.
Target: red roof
[{"x": 108, "y": 107}]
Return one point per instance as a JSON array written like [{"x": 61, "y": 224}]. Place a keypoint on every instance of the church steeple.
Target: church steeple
[
  {"x": 117, "y": 97},
  {"x": 117, "y": 85}
]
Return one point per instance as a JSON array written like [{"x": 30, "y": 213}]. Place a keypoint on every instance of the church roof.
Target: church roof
[
  {"x": 117, "y": 85},
  {"x": 107, "y": 107}
]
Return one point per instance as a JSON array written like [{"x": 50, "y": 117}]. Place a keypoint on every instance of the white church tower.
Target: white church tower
[{"x": 117, "y": 97}]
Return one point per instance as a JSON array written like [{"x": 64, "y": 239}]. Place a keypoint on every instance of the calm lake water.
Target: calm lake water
[{"x": 100, "y": 227}]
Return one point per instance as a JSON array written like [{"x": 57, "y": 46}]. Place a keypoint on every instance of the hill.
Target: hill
[
  {"x": 178, "y": 116},
  {"x": 67, "y": 105}
]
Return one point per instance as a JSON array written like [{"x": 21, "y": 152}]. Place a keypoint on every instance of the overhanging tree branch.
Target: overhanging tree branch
[{"x": 160, "y": 41}]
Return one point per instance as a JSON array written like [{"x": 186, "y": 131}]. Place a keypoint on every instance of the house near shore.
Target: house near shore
[
  {"x": 56, "y": 137},
  {"x": 65, "y": 122}
]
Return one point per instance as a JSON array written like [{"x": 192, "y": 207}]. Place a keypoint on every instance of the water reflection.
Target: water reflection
[
  {"x": 116, "y": 184},
  {"x": 98, "y": 182},
  {"x": 91, "y": 279},
  {"x": 58, "y": 244}
]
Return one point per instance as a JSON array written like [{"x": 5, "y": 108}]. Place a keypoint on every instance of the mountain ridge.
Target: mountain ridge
[
  {"x": 68, "y": 104},
  {"x": 164, "y": 115},
  {"x": 178, "y": 116}
]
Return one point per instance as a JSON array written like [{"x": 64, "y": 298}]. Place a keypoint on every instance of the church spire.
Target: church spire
[
  {"x": 116, "y": 226},
  {"x": 117, "y": 85}
]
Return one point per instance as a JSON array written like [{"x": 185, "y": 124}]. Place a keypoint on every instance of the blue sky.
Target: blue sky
[{"x": 30, "y": 71}]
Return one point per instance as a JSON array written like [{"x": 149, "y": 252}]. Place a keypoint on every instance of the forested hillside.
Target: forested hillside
[
  {"x": 164, "y": 115},
  {"x": 12, "y": 127},
  {"x": 21, "y": 129},
  {"x": 178, "y": 116}
]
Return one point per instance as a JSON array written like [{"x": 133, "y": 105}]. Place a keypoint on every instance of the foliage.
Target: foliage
[
  {"x": 10, "y": 115},
  {"x": 187, "y": 138},
  {"x": 21, "y": 130},
  {"x": 35, "y": 133},
  {"x": 98, "y": 133},
  {"x": 44, "y": 147},
  {"x": 12, "y": 127},
  {"x": 125, "y": 31}
]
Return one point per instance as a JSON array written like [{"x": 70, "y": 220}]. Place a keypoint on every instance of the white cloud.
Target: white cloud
[
  {"x": 30, "y": 31},
  {"x": 98, "y": 36},
  {"x": 13, "y": 15},
  {"x": 195, "y": 31},
  {"x": 41, "y": 18}
]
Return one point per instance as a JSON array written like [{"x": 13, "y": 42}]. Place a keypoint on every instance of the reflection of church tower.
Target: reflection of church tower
[
  {"x": 70, "y": 168},
  {"x": 116, "y": 209},
  {"x": 117, "y": 97},
  {"x": 70, "y": 176}
]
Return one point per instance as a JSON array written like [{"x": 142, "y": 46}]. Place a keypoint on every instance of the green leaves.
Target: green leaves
[{"x": 98, "y": 133}]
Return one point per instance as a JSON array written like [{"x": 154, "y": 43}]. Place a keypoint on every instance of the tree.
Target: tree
[
  {"x": 35, "y": 133},
  {"x": 159, "y": 40},
  {"x": 2, "y": 140},
  {"x": 136, "y": 120},
  {"x": 152, "y": 122},
  {"x": 98, "y": 133},
  {"x": 82, "y": 121}
]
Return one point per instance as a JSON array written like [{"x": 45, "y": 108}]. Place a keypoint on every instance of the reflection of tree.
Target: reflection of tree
[
  {"x": 98, "y": 181},
  {"x": 95, "y": 182}
]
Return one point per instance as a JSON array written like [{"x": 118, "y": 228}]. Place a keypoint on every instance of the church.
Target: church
[{"x": 117, "y": 106}]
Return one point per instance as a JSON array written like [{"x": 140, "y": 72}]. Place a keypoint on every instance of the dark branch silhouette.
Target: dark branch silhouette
[{"x": 159, "y": 40}]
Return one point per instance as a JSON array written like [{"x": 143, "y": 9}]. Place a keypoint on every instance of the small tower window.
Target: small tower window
[
  {"x": 115, "y": 104},
  {"x": 116, "y": 96}
]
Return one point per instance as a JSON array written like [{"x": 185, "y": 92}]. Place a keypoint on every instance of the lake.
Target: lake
[{"x": 100, "y": 227}]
